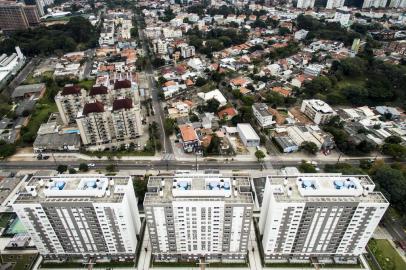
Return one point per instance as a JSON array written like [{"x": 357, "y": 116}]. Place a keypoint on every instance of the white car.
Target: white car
[{"x": 91, "y": 165}]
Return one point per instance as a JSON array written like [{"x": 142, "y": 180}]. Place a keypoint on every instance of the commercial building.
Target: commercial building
[
  {"x": 56, "y": 142},
  {"x": 248, "y": 135},
  {"x": 374, "y": 3},
  {"x": 17, "y": 16},
  {"x": 70, "y": 102},
  {"x": 29, "y": 91},
  {"x": 193, "y": 215},
  {"x": 335, "y": 4},
  {"x": 317, "y": 110},
  {"x": 262, "y": 114},
  {"x": 327, "y": 217},
  {"x": 190, "y": 140},
  {"x": 80, "y": 216},
  {"x": 305, "y": 3},
  {"x": 10, "y": 65}
]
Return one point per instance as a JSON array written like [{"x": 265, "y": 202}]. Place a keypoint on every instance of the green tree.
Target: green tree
[
  {"x": 140, "y": 188},
  {"x": 214, "y": 147},
  {"x": 309, "y": 147},
  {"x": 111, "y": 168},
  {"x": 62, "y": 168},
  {"x": 306, "y": 167},
  {"x": 260, "y": 155},
  {"x": 212, "y": 105},
  {"x": 6, "y": 149},
  {"x": 169, "y": 126},
  {"x": 393, "y": 139},
  {"x": 83, "y": 167},
  {"x": 396, "y": 151},
  {"x": 72, "y": 170}
]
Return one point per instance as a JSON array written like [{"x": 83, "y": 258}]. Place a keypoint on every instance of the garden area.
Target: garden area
[{"x": 386, "y": 255}]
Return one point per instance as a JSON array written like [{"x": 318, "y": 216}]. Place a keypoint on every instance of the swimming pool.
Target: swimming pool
[{"x": 16, "y": 227}]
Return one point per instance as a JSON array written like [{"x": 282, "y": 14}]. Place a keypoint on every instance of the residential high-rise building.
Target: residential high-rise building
[
  {"x": 193, "y": 215},
  {"x": 187, "y": 51},
  {"x": 335, "y": 4},
  {"x": 40, "y": 4},
  {"x": 70, "y": 102},
  {"x": 100, "y": 125},
  {"x": 305, "y": 3},
  {"x": 330, "y": 217},
  {"x": 17, "y": 16},
  {"x": 80, "y": 216},
  {"x": 126, "y": 120},
  {"x": 397, "y": 4},
  {"x": 94, "y": 124},
  {"x": 374, "y": 3}
]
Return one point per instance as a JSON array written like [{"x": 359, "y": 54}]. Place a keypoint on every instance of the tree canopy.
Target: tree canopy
[{"x": 53, "y": 39}]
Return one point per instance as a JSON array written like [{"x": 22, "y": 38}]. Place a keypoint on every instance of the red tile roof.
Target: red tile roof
[
  {"x": 95, "y": 107},
  {"x": 98, "y": 90},
  {"x": 227, "y": 112},
  {"x": 122, "y": 84},
  {"x": 70, "y": 90},
  {"x": 188, "y": 133},
  {"x": 125, "y": 103}
]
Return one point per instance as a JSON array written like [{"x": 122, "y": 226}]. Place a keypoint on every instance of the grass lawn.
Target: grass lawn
[
  {"x": 41, "y": 114},
  {"x": 87, "y": 84},
  {"x": 351, "y": 81},
  {"x": 39, "y": 79},
  {"x": 386, "y": 255}
]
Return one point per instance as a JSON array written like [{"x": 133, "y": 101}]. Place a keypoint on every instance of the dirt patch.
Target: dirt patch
[{"x": 299, "y": 116}]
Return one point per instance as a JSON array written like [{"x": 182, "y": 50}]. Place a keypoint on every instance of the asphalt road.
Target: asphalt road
[
  {"x": 395, "y": 229},
  {"x": 149, "y": 71},
  {"x": 158, "y": 164}
]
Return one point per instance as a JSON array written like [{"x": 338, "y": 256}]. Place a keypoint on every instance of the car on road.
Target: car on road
[{"x": 91, "y": 165}]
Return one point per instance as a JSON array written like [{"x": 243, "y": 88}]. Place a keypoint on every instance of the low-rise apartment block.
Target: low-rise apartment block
[
  {"x": 330, "y": 217},
  {"x": 80, "y": 216},
  {"x": 194, "y": 215},
  {"x": 262, "y": 114},
  {"x": 317, "y": 110}
]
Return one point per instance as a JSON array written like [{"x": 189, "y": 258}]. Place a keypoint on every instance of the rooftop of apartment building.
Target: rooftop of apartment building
[
  {"x": 319, "y": 105},
  {"x": 325, "y": 188},
  {"x": 74, "y": 188},
  {"x": 199, "y": 186}
]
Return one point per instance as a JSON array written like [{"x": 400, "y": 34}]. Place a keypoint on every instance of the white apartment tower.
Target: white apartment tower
[
  {"x": 397, "y": 4},
  {"x": 305, "y": 3},
  {"x": 317, "y": 110},
  {"x": 335, "y": 4},
  {"x": 80, "y": 216},
  {"x": 330, "y": 217},
  {"x": 374, "y": 3},
  {"x": 70, "y": 102},
  {"x": 193, "y": 215},
  {"x": 187, "y": 51}
]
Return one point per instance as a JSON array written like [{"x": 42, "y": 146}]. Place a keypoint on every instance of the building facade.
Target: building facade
[
  {"x": 187, "y": 51},
  {"x": 374, "y": 3},
  {"x": 335, "y": 4},
  {"x": 17, "y": 16},
  {"x": 330, "y": 217},
  {"x": 397, "y": 4},
  {"x": 80, "y": 216},
  {"x": 70, "y": 102},
  {"x": 262, "y": 114},
  {"x": 317, "y": 110},
  {"x": 194, "y": 215},
  {"x": 305, "y": 3}
]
